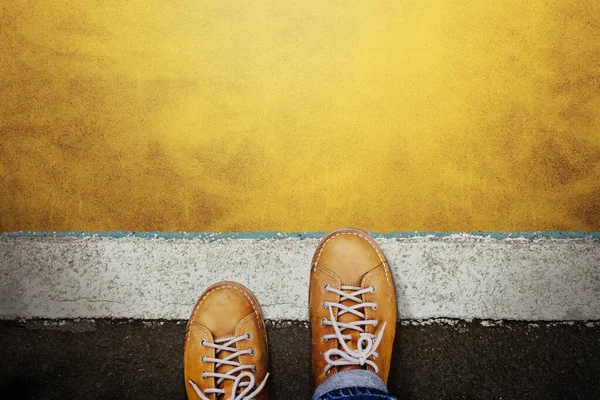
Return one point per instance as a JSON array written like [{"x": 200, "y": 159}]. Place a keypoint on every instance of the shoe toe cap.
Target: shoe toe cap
[
  {"x": 221, "y": 308},
  {"x": 350, "y": 254}
]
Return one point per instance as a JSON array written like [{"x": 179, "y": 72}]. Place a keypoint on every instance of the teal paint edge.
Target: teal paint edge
[{"x": 211, "y": 236}]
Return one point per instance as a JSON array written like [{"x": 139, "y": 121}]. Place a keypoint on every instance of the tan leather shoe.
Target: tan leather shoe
[
  {"x": 352, "y": 306},
  {"x": 225, "y": 353}
]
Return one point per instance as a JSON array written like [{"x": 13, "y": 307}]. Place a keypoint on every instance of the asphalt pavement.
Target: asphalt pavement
[{"x": 117, "y": 359}]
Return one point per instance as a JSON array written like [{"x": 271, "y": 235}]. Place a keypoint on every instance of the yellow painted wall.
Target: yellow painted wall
[{"x": 230, "y": 115}]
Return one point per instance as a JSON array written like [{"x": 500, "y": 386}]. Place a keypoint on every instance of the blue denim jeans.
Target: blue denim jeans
[{"x": 354, "y": 384}]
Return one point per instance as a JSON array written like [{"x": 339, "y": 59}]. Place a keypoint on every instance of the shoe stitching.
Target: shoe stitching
[
  {"x": 189, "y": 332},
  {"x": 212, "y": 290},
  {"x": 327, "y": 272},
  {"x": 363, "y": 237},
  {"x": 333, "y": 343},
  {"x": 249, "y": 317},
  {"x": 208, "y": 335}
]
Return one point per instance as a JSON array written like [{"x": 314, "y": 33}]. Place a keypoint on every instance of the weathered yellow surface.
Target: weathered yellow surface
[{"x": 299, "y": 115}]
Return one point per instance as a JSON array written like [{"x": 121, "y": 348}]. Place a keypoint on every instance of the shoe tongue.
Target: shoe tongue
[{"x": 347, "y": 318}]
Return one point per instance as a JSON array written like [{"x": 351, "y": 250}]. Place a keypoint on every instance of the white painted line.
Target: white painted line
[{"x": 460, "y": 276}]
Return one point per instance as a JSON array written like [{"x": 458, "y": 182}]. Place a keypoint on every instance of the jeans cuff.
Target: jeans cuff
[{"x": 351, "y": 378}]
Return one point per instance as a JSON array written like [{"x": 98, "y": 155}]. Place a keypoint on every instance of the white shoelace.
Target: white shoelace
[
  {"x": 225, "y": 344},
  {"x": 367, "y": 342}
]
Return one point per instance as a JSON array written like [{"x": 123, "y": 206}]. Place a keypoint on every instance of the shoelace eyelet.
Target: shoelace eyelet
[
  {"x": 364, "y": 354},
  {"x": 324, "y": 304},
  {"x": 248, "y": 336},
  {"x": 326, "y": 287},
  {"x": 323, "y": 321},
  {"x": 228, "y": 344},
  {"x": 202, "y": 342},
  {"x": 324, "y": 339}
]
